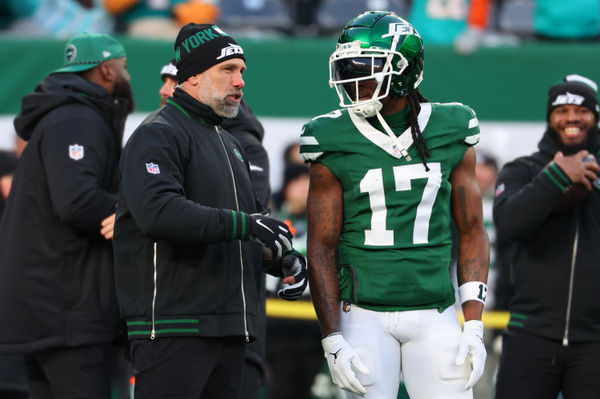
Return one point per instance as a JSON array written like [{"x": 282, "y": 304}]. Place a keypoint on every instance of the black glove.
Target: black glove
[
  {"x": 269, "y": 232},
  {"x": 293, "y": 264}
]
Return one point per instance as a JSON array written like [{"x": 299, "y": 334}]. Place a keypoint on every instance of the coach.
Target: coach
[{"x": 186, "y": 218}]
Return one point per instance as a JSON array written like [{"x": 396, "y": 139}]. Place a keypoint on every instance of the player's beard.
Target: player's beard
[
  {"x": 570, "y": 149},
  {"x": 220, "y": 104},
  {"x": 123, "y": 90}
]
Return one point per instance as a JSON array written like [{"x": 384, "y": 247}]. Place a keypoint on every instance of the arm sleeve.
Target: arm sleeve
[
  {"x": 76, "y": 160},
  {"x": 152, "y": 174},
  {"x": 523, "y": 202}
]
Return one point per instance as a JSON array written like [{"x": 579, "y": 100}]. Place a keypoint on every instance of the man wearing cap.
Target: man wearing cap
[
  {"x": 188, "y": 231},
  {"x": 548, "y": 203},
  {"x": 168, "y": 74},
  {"x": 57, "y": 289}
]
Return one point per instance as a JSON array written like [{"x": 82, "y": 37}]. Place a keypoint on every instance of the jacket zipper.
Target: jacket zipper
[
  {"x": 153, "y": 332},
  {"x": 565, "y": 340},
  {"x": 237, "y": 206}
]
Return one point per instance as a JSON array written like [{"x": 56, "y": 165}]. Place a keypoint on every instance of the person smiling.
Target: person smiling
[{"x": 548, "y": 204}]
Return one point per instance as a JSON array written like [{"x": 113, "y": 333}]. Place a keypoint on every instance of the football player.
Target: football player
[{"x": 389, "y": 171}]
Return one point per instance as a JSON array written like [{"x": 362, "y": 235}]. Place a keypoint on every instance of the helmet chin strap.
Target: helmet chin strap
[
  {"x": 367, "y": 110},
  {"x": 372, "y": 109},
  {"x": 389, "y": 132}
]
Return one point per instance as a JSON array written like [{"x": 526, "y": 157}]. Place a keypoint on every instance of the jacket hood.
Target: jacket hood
[
  {"x": 245, "y": 121},
  {"x": 550, "y": 143},
  {"x": 65, "y": 88}
]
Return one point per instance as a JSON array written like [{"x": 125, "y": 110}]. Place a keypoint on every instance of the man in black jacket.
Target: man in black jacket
[
  {"x": 186, "y": 232},
  {"x": 248, "y": 130},
  {"x": 549, "y": 203},
  {"x": 57, "y": 288}
]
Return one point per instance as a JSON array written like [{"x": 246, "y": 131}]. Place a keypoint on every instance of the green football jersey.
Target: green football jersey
[{"x": 394, "y": 251}]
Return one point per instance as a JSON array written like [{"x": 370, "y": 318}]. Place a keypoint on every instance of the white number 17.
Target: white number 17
[{"x": 372, "y": 184}]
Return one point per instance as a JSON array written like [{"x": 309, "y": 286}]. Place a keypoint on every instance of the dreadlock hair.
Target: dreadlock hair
[{"x": 414, "y": 98}]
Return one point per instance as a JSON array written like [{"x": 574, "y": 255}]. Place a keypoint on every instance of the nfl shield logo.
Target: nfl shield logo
[
  {"x": 152, "y": 168},
  {"x": 76, "y": 152}
]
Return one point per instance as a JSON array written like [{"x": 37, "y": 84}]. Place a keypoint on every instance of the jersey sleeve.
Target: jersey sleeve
[
  {"x": 310, "y": 148},
  {"x": 316, "y": 137},
  {"x": 472, "y": 131},
  {"x": 468, "y": 124}
]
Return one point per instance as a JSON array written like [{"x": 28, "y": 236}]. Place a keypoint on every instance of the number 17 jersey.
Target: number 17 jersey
[{"x": 395, "y": 246}]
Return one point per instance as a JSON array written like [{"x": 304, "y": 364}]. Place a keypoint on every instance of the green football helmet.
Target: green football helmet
[{"x": 377, "y": 45}]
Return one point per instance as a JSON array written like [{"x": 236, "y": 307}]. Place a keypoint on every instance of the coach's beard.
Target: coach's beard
[{"x": 226, "y": 108}]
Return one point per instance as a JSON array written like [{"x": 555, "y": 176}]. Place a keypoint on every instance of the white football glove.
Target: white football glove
[
  {"x": 471, "y": 345},
  {"x": 340, "y": 358}
]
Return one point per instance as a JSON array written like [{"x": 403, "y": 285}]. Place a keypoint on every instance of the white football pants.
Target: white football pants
[{"x": 420, "y": 344}]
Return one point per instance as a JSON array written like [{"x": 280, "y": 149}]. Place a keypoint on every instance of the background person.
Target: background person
[
  {"x": 548, "y": 204},
  {"x": 13, "y": 377},
  {"x": 56, "y": 275},
  {"x": 168, "y": 74},
  {"x": 385, "y": 175}
]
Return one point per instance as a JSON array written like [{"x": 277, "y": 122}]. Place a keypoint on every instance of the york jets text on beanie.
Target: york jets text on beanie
[{"x": 198, "y": 47}]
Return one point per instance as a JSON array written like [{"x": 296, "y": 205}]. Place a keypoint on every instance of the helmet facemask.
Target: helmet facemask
[{"x": 350, "y": 65}]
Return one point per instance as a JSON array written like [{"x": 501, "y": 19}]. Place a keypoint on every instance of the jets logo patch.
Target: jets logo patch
[
  {"x": 70, "y": 53},
  {"x": 230, "y": 50},
  {"x": 152, "y": 168},
  {"x": 238, "y": 154},
  {"x": 401, "y": 28},
  {"x": 76, "y": 152},
  {"x": 568, "y": 98}
]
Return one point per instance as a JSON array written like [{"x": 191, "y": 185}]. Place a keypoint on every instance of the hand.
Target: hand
[
  {"x": 295, "y": 272},
  {"x": 107, "y": 227},
  {"x": 471, "y": 345},
  {"x": 579, "y": 170},
  {"x": 270, "y": 233},
  {"x": 340, "y": 359}
]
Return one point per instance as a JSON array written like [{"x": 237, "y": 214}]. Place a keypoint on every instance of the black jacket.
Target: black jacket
[
  {"x": 555, "y": 273},
  {"x": 248, "y": 130},
  {"x": 178, "y": 269},
  {"x": 250, "y": 133},
  {"x": 56, "y": 270}
]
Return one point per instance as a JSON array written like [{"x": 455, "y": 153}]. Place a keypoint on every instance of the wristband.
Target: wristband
[{"x": 473, "y": 291}]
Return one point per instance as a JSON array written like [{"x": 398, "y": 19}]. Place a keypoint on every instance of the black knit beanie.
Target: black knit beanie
[
  {"x": 198, "y": 47},
  {"x": 575, "y": 90}
]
